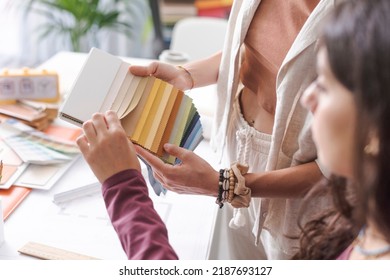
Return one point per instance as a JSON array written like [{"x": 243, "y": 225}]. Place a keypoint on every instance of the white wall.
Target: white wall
[{"x": 9, "y": 42}]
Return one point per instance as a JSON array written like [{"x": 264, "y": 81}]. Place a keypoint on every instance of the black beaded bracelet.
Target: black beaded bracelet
[{"x": 219, "y": 200}]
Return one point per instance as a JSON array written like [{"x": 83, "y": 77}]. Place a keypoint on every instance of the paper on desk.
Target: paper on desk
[
  {"x": 32, "y": 152},
  {"x": 44, "y": 177},
  {"x": 1, "y": 225},
  {"x": 33, "y": 146},
  {"x": 13, "y": 166},
  {"x": 10, "y": 174},
  {"x": 47, "y": 157}
]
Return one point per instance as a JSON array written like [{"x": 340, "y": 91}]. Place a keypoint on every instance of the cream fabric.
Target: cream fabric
[
  {"x": 230, "y": 243},
  {"x": 290, "y": 144}
]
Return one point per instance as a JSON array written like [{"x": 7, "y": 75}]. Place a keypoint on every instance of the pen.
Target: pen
[{"x": 77, "y": 192}]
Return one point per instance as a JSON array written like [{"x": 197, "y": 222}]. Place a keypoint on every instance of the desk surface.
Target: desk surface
[{"x": 83, "y": 226}]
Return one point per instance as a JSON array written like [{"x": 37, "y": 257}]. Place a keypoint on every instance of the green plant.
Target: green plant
[{"x": 81, "y": 20}]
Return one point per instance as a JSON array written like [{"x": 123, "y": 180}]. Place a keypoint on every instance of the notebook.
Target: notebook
[{"x": 151, "y": 111}]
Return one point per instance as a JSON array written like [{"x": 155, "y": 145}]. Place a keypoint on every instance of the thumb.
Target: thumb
[{"x": 139, "y": 70}]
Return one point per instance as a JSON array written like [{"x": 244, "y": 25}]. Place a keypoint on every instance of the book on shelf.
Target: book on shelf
[
  {"x": 151, "y": 111},
  {"x": 214, "y": 8},
  {"x": 173, "y": 11}
]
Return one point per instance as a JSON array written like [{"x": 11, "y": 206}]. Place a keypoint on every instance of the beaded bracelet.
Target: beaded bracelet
[
  {"x": 220, "y": 188},
  {"x": 231, "y": 187},
  {"x": 189, "y": 74},
  {"x": 223, "y": 187},
  {"x": 232, "y": 184}
]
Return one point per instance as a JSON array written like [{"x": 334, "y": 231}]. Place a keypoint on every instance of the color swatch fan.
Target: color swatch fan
[{"x": 152, "y": 112}]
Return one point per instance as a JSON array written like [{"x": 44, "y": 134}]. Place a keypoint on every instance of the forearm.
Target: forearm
[
  {"x": 204, "y": 72},
  {"x": 140, "y": 229},
  {"x": 284, "y": 183}
]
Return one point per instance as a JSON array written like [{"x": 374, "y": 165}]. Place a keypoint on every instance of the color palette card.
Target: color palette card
[
  {"x": 33, "y": 146},
  {"x": 152, "y": 112},
  {"x": 11, "y": 198},
  {"x": 13, "y": 165}
]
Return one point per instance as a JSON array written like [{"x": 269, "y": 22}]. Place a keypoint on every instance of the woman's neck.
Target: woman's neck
[{"x": 371, "y": 244}]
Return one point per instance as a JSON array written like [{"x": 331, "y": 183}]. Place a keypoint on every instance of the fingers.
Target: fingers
[
  {"x": 175, "y": 151},
  {"x": 151, "y": 159},
  {"x": 157, "y": 164},
  {"x": 112, "y": 120},
  {"x": 82, "y": 142},
  {"x": 160, "y": 70},
  {"x": 89, "y": 131},
  {"x": 143, "y": 71},
  {"x": 93, "y": 127},
  {"x": 99, "y": 123}
]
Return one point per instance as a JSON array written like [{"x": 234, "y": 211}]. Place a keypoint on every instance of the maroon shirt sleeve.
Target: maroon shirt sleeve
[{"x": 142, "y": 233}]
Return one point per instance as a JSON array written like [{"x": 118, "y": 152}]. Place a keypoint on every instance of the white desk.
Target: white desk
[{"x": 82, "y": 225}]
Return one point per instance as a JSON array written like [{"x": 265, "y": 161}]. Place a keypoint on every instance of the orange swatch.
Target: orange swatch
[{"x": 11, "y": 198}]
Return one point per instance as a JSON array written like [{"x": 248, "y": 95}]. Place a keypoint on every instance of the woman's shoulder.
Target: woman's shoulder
[{"x": 346, "y": 253}]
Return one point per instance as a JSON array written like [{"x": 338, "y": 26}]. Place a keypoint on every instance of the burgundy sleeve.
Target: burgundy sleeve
[{"x": 142, "y": 233}]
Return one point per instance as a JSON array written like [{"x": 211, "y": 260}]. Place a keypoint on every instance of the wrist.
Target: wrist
[
  {"x": 214, "y": 182},
  {"x": 188, "y": 77},
  {"x": 232, "y": 187}
]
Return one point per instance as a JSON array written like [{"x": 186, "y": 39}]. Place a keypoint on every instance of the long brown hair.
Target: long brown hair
[{"x": 357, "y": 40}]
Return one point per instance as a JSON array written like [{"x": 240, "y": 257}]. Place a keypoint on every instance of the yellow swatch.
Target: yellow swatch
[
  {"x": 145, "y": 113},
  {"x": 151, "y": 115}
]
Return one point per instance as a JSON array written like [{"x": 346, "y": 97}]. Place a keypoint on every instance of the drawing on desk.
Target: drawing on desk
[{"x": 91, "y": 209}]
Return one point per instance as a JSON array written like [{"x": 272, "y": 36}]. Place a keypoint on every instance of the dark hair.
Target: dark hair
[{"x": 357, "y": 40}]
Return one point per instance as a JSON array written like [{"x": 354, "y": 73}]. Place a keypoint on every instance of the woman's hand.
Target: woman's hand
[
  {"x": 105, "y": 146},
  {"x": 192, "y": 176},
  {"x": 171, "y": 74}
]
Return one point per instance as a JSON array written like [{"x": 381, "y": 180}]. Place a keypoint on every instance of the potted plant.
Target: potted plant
[{"x": 80, "y": 20}]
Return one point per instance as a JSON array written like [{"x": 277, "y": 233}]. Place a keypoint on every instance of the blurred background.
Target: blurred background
[{"x": 34, "y": 30}]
